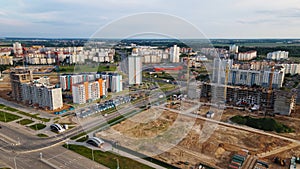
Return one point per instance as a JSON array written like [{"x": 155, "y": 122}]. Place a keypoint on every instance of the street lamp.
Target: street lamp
[
  {"x": 93, "y": 154},
  {"x": 15, "y": 162}
]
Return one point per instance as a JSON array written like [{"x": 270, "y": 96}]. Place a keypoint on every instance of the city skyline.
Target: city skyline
[{"x": 216, "y": 19}]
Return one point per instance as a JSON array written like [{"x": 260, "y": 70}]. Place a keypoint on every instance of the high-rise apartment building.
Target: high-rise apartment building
[
  {"x": 174, "y": 54},
  {"x": 135, "y": 68},
  {"x": 88, "y": 91},
  {"x": 246, "y": 76},
  {"x": 234, "y": 49}
]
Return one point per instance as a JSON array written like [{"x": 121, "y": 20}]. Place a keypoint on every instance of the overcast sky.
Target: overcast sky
[{"x": 215, "y": 18}]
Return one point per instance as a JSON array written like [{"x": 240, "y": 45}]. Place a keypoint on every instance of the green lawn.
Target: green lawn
[
  {"x": 42, "y": 135},
  {"x": 38, "y": 126},
  {"x": 78, "y": 135},
  {"x": 35, "y": 116},
  {"x": 8, "y": 117},
  {"x": 83, "y": 139},
  {"x": 25, "y": 121},
  {"x": 107, "y": 159}
]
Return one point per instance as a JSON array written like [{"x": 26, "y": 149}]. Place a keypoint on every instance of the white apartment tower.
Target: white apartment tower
[
  {"x": 174, "y": 54},
  {"x": 135, "y": 68}
]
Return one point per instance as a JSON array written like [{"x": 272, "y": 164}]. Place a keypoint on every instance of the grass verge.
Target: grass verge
[
  {"x": 8, "y": 117},
  {"x": 25, "y": 122},
  {"x": 38, "y": 126},
  {"x": 107, "y": 159}
]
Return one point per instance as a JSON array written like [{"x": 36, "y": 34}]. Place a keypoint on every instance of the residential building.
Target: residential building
[
  {"x": 244, "y": 75},
  {"x": 135, "y": 68},
  {"x": 6, "y": 60},
  {"x": 174, "y": 54},
  {"x": 37, "y": 92},
  {"x": 234, "y": 49},
  {"x": 246, "y": 56},
  {"x": 79, "y": 94},
  {"x": 278, "y": 55},
  {"x": 17, "y": 48},
  {"x": 219, "y": 69},
  {"x": 42, "y": 95},
  {"x": 110, "y": 81},
  {"x": 290, "y": 68},
  {"x": 88, "y": 91}
]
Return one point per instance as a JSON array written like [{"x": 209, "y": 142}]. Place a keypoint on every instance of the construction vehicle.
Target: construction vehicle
[{"x": 279, "y": 161}]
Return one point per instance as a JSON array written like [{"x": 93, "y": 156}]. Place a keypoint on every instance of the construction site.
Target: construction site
[
  {"x": 186, "y": 141},
  {"x": 257, "y": 98}
]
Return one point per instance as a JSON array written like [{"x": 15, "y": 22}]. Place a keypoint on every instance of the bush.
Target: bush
[{"x": 267, "y": 124}]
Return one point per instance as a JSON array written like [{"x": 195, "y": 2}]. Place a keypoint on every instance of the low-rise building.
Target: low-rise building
[
  {"x": 6, "y": 60},
  {"x": 278, "y": 55},
  {"x": 246, "y": 56}
]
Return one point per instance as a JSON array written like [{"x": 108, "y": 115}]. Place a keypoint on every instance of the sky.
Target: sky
[{"x": 214, "y": 18}]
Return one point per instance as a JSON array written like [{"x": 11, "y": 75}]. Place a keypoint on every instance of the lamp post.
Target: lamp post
[{"x": 93, "y": 154}]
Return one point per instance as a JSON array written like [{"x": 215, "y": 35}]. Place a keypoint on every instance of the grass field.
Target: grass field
[
  {"x": 8, "y": 117},
  {"x": 25, "y": 121},
  {"x": 42, "y": 135},
  {"x": 38, "y": 126},
  {"x": 107, "y": 159}
]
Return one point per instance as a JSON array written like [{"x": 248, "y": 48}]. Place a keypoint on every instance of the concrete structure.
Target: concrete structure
[
  {"x": 17, "y": 77},
  {"x": 238, "y": 95},
  {"x": 281, "y": 102},
  {"x": 246, "y": 56},
  {"x": 135, "y": 68},
  {"x": 174, "y": 54},
  {"x": 284, "y": 102},
  {"x": 278, "y": 55}
]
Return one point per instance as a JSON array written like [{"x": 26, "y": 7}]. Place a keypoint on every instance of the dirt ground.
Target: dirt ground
[
  {"x": 197, "y": 142},
  {"x": 286, "y": 155}
]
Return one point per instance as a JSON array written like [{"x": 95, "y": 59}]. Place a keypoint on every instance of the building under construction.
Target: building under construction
[
  {"x": 17, "y": 77},
  {"x": 274, "y": 101}
]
